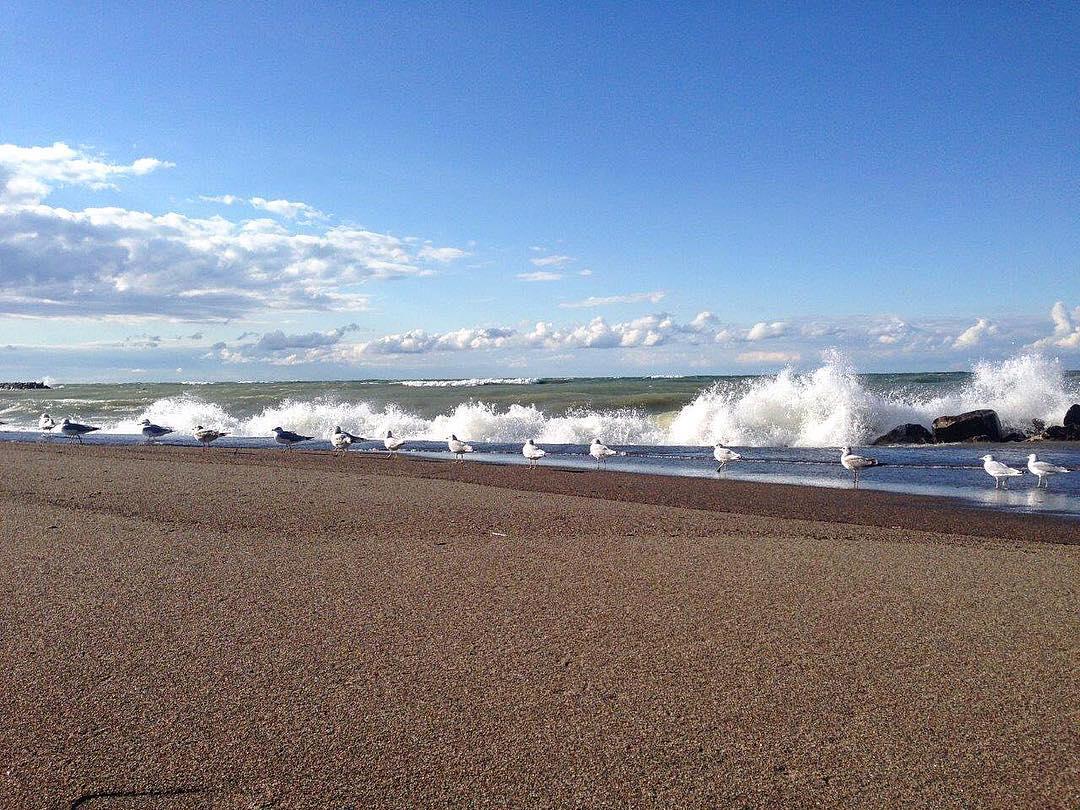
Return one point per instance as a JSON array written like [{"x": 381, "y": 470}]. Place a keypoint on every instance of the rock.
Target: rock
[
  {"x": 23, "y": 386},
  {"x": 1072, "y": 417},
  {"x": 982, "y": 437},
  {"x": 1057, "y": 433},
  {"x": 965, "y": 426},
  {"x": 1037, "y": 427},
  {"x": 910, "y": 433},
  {"x": 1015, "y": 436}
]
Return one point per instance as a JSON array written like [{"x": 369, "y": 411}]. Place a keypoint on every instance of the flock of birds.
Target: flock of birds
[{"x": 342, "y": 440}]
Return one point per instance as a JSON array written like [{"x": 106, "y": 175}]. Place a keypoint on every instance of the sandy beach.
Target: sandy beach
[{"x": 268, "y": 629}]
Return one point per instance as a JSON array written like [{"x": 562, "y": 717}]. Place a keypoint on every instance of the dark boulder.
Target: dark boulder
[
  {"x": 1015, "y": 436},
  {"x": 910, "y": 433},
  {"x": 968, "y": 425},
  {"x": 1057, "y": 433},
  {"x": 1072, "y": 417}
]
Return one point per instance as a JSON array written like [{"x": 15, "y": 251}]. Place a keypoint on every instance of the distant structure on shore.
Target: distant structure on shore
[{"x": 21, "y": 386}]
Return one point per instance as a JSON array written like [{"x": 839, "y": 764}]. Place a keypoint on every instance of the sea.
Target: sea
[{"x": 788, "y": 426}]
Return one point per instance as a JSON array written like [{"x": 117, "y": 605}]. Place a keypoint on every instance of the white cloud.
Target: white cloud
[
  {"x": 223, "y": 199},
  {"x": 287, "y": 208},
  {"x": 102, "y": 262},
  {"x": 440, "y": 254},
  {"x": 540, "y": 275},
  {"x": 29, "y": 173},
  {"x": 585, "y": 272},
  {"x": 1066, "y": 333},
  {"x": 552, "y": 261},
  {"x": 768, "y": 358},
  {"x": 633, "y": 298},
  {"x": 974, "y": 334},
  {"x": 763, "y": 330}
]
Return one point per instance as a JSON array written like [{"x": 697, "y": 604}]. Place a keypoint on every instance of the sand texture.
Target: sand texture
[{"x": 184, "y": 628}]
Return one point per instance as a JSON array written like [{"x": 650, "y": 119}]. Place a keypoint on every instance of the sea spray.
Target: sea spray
[{"x": 829, "y": 406}]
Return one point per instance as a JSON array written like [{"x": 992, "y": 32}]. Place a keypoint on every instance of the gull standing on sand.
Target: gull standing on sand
[
  {"x": 1001, "y": 472},
  {"x": 600, "y": 451},
  {"x": 392, "y": 443},
  {"x": 288, "y": 438},
  {"x": 1043, "y": 469},
  {"x": 532, "y": 452},
  {"x": 207, "y": 435},
  {"x": 341, "y": 439},
  {"x": 152, "y": 431},
  {"x": 855, "y": 463},
  {"x": 723, "y": 455},
  {"x": 73, "y": 430},
  {"x": 458, "y": 447}
]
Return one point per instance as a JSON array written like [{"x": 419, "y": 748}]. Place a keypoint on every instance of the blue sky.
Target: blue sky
[{"x": 455, "y": 189}]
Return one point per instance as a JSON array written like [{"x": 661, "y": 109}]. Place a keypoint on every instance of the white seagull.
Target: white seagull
[
  {"x": 1001, "y": 472},
  {"x": 855, "y": 463},
  {"x": 288, "y": 438},
  {"x": 152, "y": 431},
  {"x": 73, "y": 430},
  {"x": 458, "y": 447},
  {"x": 341, "y": 439},
  {"x": 723, "y": 455},
  {"x": 392, "y": 442},
  {"x": 1042, "y": 469},
  {"x": 46, "y": 423},
  {"x": 207, "y": 435},
  {"x": 600, "y": 451},
  {"x": 532, "y": 452}
]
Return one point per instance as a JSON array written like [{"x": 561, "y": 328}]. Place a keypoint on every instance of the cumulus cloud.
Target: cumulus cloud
[
  {"x": 223, "y": 199},
  {"x": 540, "y": 275},
  {"x": 552, "y": 261},
  {"x": 29, "y": 173},
  {"x": 633, "y": 298},
  {"x": 277, "y": 347},
  {"x": 287, "y": 208},
  {"x": 1066, "y": 334},
  {"x": 441, "y": 254},
  {"x": 768, "y": 358},
  {"x": 763, "y": 330},
  {"x": 114, "y": 261},
  {"x": 973, "y": 335}
]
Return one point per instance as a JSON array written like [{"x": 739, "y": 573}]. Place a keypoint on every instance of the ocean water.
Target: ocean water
[{"x": 787, "y": 426}]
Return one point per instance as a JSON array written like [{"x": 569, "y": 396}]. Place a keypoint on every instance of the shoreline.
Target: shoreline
[
  {"x": 862, "y": 507},
  {"x": 292, "y": 629}
]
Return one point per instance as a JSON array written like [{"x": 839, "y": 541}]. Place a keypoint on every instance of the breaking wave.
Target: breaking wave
[
  {"x": 470, "y": 383},
  {"x": 829, "y": 406}
]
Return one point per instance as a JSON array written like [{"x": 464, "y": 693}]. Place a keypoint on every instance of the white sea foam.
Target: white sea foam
[
  {"x": 829, "y": 406},
  {"x": 832, "y": 407},
  {"x": 470, "y": 383}
]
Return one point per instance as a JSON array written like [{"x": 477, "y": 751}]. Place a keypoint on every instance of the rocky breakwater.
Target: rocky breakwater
[
  {"x": 981, "y": 426},
  {"x": 22, "y": 386}
]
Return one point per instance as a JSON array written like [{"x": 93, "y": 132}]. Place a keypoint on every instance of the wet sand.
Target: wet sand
[{"x": 267, "y": 629}]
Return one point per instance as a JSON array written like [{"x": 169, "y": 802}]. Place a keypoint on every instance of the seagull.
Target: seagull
[
  {"x": 1001, "y": 472},
  {"x": 73, "y": 430},
  {"x": 458, "y": 447},
  {"x": 207, "y": 435},
  {"x": 46, "y": 423},
  {"x": 852, "y": 462},
  {"x": 288, "y": 438},
  {"x": 600, "y": 451},
  {"x": 341, "y": 439},
  {"x": 532, "y": 452},
  {"x": 152, "y": 431},
  {"x": 392, "y": 442},
  {"x": 1043, "y": 469},
  {"x": 723, "y": 455}
]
